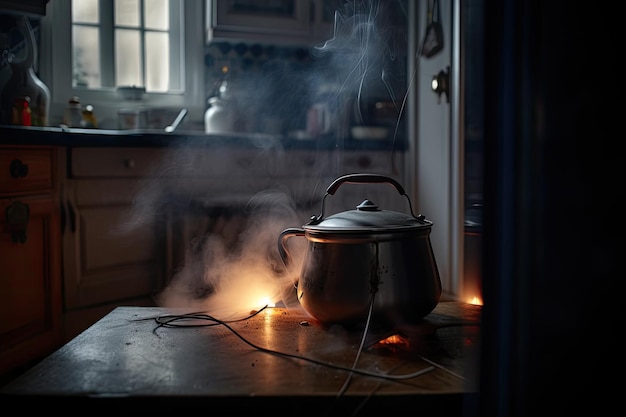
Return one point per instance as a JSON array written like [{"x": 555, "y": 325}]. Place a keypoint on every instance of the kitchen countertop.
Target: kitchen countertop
[
  {"x": 58, "y": 136},
  {"x": 278, "y": 359}
]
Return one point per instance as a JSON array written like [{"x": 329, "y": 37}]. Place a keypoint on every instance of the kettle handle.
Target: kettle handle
[
  {"x": 363, "y": 178},
  {"x": 282, "y": 242}
]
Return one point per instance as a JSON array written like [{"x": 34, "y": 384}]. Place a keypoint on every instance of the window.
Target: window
[
  {"x": 153, "y": 44},
  {"x": 137, "y": 39}
]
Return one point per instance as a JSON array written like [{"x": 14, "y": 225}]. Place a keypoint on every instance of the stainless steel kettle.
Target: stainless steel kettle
[{"x": 367, "y": 259}]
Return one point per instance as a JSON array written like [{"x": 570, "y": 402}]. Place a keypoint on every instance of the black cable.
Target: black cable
[
  {"x": 170, "y": 321},
  {"x": 356, "y": 359}
]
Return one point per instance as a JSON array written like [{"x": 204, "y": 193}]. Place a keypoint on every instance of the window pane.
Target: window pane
[
  {"x": 86, "y": 58},
  {"x": 157, "y": 62},
  {"x": 128, "y": 70},
  {"x": 127, "y": 42},
  {"x": 127, "y": 13},
  {"x": 85, "y": 11},
  {"x": 156, "y": 14}
]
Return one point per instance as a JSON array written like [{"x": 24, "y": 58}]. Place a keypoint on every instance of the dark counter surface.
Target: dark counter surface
[
  {"x": 58, "y": 136},
  {"x": 276, "y": 360}
]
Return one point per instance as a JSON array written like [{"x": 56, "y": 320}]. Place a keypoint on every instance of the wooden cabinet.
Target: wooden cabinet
[
  {"x": 35, "y": 8},
  {"x": 30, "y": 256},
  {"x": 280, "y": 21},
  {"x": 112, "y": 251}
]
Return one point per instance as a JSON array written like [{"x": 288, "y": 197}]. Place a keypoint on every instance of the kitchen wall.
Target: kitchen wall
[
  {"x": 268, "y": 81},
  {"x": 435, "y": 155},
  {"x": 445, "y": 155}
]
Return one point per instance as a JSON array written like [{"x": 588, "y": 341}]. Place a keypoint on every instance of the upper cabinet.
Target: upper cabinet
[
  {"x": 276, "y": 21},
  {"x": 27, "y": 7}
]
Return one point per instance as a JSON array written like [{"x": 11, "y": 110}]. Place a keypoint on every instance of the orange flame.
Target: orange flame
[
  {"x": 265, "y": 301},
  {"x": 475, "y": 300}
]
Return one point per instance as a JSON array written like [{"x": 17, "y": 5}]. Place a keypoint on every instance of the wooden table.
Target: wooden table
[{"x": 278, "y": 360}]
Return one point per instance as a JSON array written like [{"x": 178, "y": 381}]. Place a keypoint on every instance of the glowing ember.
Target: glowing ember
[
  {"x": 266, "y": 301},
  {"x": 395, "y": 339},
  {"x": 476, "y": 301}
]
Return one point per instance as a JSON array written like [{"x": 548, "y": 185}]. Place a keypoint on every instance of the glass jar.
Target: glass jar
[{"x": 73, "y": 115}]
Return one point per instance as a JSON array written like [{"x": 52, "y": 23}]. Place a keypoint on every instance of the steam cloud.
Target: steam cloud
[
  {"x": 232, "y": 260},
  {"x": 235, "y": 266},
  {"x": 361, "y": 53}
]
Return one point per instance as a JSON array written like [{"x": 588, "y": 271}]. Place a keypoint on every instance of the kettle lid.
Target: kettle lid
[{"x": 368, "y": 217}]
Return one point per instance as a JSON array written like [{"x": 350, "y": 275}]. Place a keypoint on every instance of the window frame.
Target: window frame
[{"x": 56, "y": 69}]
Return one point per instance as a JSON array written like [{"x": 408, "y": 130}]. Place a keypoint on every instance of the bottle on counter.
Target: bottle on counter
[
  {"x": 22, "y": 114},
  {"x": 73, "y": 115},
  {"x": 89, "y": 118},
  {"x": 220, "y": 116},
  {"x": 24, "y": 82}
]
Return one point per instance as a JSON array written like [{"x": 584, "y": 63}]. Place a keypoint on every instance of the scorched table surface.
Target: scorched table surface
[{"x": 279, "y": 359}]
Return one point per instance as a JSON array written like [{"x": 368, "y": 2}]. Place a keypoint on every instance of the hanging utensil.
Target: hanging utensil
[{"x": 433, "y": 40}]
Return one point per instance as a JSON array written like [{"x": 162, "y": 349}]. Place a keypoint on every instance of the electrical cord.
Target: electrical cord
[
  {"x": 176, "y": 319},
  {"x": 346, "y": 383},
  {"x": 181, "y": 320},
  {"x": 358, "y": 355}
]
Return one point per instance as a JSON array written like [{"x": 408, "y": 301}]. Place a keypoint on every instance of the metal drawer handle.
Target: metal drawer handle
[
  {"x": 18, "y": 169},
  {"x": 129, "y": 163}
]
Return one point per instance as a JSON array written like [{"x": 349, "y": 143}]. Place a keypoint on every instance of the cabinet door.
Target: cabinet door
[
  {"x": 108, "y": 255},
  {"x": 30, "y": 282},
  {"x": 304, "y": 22},
  {"x": 25, "y": 171},
  {"x": 112, "y": 251},
  {"x": 250, "y": 19}
]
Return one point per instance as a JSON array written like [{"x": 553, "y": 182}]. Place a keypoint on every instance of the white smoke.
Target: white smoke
[
  {"x": 235, "y": 267},
  {"x": 231, "y": 264}
]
